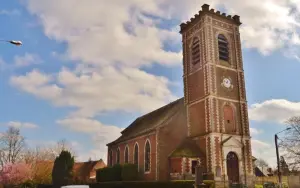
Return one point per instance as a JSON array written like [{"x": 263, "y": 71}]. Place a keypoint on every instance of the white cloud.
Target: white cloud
[
  {"x": 26, "y": 60},
  {"x": 101, "y": 135},
  {"x": 254, "y": 131},
  {"x": 276, "y": 110},
  {"x": 264, "y": 150},
  {"x": 20, "y": 125},
  {"x": 93, "y": 91}
]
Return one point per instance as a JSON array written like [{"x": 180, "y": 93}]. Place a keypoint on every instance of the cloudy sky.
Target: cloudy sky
[{"x": 88, "y": 68}]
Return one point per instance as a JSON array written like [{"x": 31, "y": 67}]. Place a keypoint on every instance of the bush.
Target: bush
[
  {"x": 108, "y": 174},
  {"x": 130, "y": 172},
  {"x": 28, "y": 184},
  {"x": 210, "y": 183}
]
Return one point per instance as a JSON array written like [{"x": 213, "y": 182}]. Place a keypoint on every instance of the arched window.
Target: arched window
[
  {"x": 118, "y": 156},
  {"x": 195, "y": 50},
  {"x": 126, "y": 154},
  {"x": 110, "y": 158},
  {"x": 229, "y": 120},
  {"x": 223, "y": 48},
  {"x": 147, "y": 156},
  {"x": 136, "y": 154}
]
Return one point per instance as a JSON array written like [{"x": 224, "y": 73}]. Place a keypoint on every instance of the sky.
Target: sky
[{"x": 88, "y": 68}]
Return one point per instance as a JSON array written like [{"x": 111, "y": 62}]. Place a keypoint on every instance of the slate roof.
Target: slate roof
[
  {"x": 187, "y": 148},
  {"x": 151, "y": 120}
]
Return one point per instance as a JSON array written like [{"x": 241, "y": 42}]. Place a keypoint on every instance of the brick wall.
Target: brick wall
[
  {"x": 141, "y": 141},
  {"x": 176, "y": 165},
  {"x": 169, "y": 137}
]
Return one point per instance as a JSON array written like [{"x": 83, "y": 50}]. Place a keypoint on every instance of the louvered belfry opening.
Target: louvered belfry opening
[
  {"x": 195, "y": 51},
  {"x": 223, "y": 48}
]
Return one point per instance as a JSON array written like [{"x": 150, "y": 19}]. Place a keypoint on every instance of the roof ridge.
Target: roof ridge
[{"x": 141, "y": 117}]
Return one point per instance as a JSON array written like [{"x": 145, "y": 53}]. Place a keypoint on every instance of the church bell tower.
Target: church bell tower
[{"x": 215, "y": 96}]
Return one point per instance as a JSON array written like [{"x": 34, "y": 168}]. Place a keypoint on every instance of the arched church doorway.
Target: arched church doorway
[{"x": 232, "y": 167}]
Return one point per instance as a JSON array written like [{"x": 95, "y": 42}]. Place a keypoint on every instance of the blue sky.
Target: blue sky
[{"x": 82, "y": 66}]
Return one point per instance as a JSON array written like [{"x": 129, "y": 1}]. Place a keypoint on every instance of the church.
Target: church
[{"x": 209, "y": 125}]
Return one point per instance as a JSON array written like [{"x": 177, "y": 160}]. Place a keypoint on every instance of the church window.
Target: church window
[
  {"x": 126, "y": 154},
  {"x": 118, "y": 156},
  {"x": 110, "y": 158},
  {"x": 223, "y": 48},
  {"x": 147, "y": 156},
  {"x": 136, "y": 154},
  {"x": 195, "y": 50},
  {"x": 229, "y": 119}
]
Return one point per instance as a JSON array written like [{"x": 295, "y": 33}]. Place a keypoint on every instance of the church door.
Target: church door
[{"x": 232, "y": 167}]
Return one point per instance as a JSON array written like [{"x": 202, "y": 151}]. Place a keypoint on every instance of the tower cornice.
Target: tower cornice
[{"x": 205, "y": 11}]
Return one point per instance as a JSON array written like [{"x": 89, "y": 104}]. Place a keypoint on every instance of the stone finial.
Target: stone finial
[
  {"x": 223, "y": 14},
  {"x": 229, "y": 16},
  {"x": 212, "y": 10},
  {"x": 205, "y": 7},
  {"x": 218, "y": 12}
]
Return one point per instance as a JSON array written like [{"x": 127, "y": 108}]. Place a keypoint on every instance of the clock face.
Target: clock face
[{"x": 227, "y": 82}]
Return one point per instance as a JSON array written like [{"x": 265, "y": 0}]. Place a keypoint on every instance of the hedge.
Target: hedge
[
  {"x": 139, "y": 184},
  {"x": 143, "y": 185},
  {"x": 127, "y": 172}
]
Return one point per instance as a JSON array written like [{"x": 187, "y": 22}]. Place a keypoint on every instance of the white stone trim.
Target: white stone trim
[
  {"x": 135, "y": 138},
  {"x": 125, "y": 154},
  {"x": 217, "y": 97},
  {"x": 147, "y": 172},
  {"x": 157, "y": 154},
  {"x": 183, "y": 161},
  {"x": 138, "y": 156}
]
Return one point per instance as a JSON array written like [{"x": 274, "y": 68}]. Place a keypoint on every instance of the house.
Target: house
[
  {"x": 82, "y": 171},
  {"x": 86, "y": 171},
  {"x": 209, "y": 125}
]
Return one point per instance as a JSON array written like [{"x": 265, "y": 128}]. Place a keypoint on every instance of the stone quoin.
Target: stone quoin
[{"x": 209, "y": 125}]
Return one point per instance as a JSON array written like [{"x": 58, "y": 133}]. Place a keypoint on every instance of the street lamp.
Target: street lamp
[
  {"x": 14, "y": 42},
  {"x": 277, "y": 155}
]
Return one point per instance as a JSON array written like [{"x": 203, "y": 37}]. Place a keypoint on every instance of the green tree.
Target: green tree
[{"x": 62, "y": 169}]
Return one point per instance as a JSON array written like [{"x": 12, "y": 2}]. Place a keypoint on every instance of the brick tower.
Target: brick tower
[{"x": 215, "y": 96}]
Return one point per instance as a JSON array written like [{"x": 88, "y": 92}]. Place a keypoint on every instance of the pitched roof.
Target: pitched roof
[
  {"x": 83, "y": 169},
  {"x": 151, "y": 120},
  {"x": 187, "y": 148}
]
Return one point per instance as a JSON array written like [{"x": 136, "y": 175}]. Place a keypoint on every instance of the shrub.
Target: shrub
[
  {"x": 28, "y": 184},
  {"x": 210, "y": 183},
  {"x": 130, "y": 172},
  {"x": 117, "y": 172},
  {"x": 259, "y": 186},
  {"x": 108, "y": 174}
]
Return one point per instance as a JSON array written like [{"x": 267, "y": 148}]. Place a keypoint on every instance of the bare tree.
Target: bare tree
[
  {"x": 12, "y": 144},
  {"x": 290, "y": 143},
  {"x": 62, "y": 145}
]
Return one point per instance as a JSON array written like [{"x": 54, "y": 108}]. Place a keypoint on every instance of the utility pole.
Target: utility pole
[
  {"x": 278, "y": 162},
  {"x": 277, "y": 156}
]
